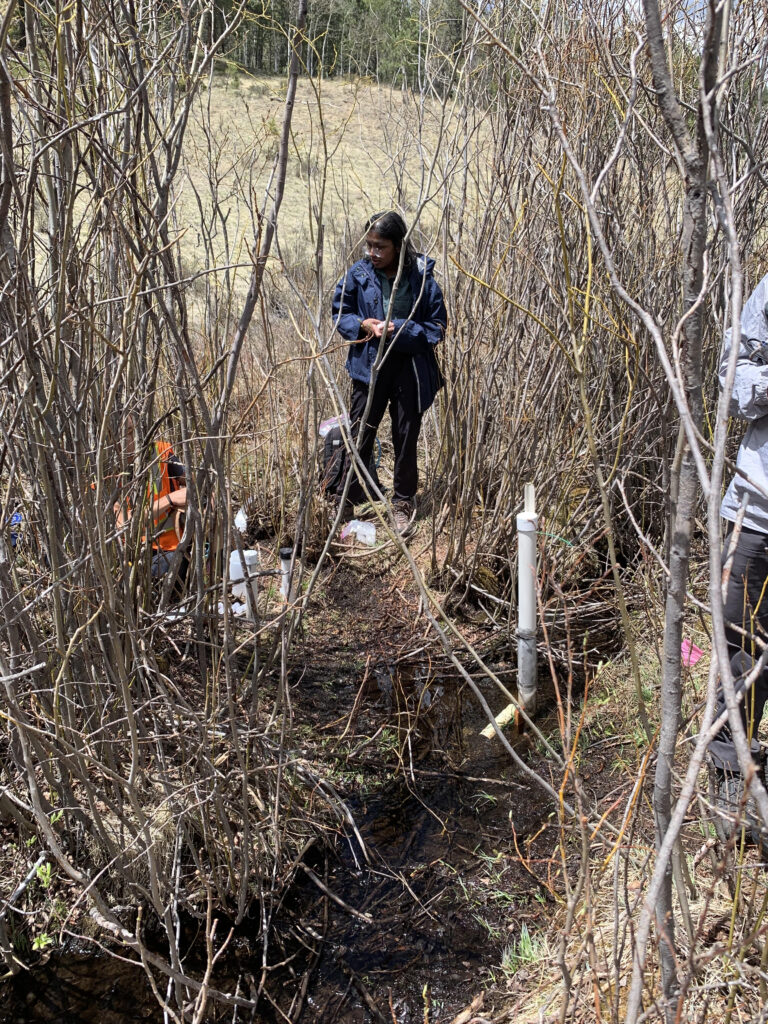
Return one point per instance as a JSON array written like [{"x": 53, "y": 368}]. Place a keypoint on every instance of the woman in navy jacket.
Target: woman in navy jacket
[{"x": 407, "y": 377}]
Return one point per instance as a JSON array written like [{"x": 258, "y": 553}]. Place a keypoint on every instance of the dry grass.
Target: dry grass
[
  {"x": 356, "y": 148},
  {"x": 722, "y": 958}
]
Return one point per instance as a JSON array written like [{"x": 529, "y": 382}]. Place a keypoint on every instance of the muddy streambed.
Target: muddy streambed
[{"x": 421, "y": 917}]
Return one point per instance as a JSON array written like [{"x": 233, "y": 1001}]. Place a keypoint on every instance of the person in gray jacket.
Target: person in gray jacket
[{"x": 745, "y": 509}]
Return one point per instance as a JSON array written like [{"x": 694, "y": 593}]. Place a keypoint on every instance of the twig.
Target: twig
[{"x": 332, "y": 895}]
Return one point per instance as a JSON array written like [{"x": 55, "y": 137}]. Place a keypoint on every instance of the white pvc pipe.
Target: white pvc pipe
[
  {"x": 286, "y": 583},
  {"x": 252, "y": 591},
  {"x": 527, "y": 523}
]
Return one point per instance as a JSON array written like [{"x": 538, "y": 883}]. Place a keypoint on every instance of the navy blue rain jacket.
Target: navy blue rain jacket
[{"x": 358, "y": 297}]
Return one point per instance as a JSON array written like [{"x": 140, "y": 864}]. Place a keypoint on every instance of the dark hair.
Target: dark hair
[{"x": 390, "y": 225}]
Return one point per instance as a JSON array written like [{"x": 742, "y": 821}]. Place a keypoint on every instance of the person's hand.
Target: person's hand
[{"x": 375, "y": 328}]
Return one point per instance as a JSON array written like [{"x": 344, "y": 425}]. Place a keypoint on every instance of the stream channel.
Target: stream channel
[{"x": 442, "y": 894}]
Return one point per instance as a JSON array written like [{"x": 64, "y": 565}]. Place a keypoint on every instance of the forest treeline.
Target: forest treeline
[{"x": 387, "y": 41}]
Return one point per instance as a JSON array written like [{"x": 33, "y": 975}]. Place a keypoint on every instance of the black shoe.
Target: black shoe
[{"x": 735, "y": 809}]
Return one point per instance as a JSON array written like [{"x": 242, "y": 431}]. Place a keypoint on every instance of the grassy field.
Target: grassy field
[{"x": 356, "y": 148}]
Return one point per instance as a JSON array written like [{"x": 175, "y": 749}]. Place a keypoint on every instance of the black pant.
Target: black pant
[
  {"x": 395, "y": 387},
  {"x": 746, "y": 606},
  {"x": 161, "y": 563}
]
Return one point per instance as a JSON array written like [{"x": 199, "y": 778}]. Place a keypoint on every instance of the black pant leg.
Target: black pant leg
[
  {"x": 406, "y": 425},
  {"x": 366, "y": 437},
  {"x": 746, "y": 606}
]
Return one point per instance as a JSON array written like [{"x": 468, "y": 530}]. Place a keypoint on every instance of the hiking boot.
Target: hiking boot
[
  {"x": 736, "y": 810},
  {"x": 404, "y": 513},
  {"x": 347, "y": 509}
]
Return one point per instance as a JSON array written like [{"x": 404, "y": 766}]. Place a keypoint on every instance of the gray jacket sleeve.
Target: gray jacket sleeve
[{"x": 749, "y": 400}]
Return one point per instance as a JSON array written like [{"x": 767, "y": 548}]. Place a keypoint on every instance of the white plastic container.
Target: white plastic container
[
  {"x": 245, "y": 590},
  {"x": 236, "y": 608},
  {"x": 236, "y": 564}
]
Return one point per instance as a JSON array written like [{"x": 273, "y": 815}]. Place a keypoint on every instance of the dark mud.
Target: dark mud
[
  {"x": 442, "y": 814},
  {"x": 410, "y": 925},
  {"x": 79, "y": 988}
]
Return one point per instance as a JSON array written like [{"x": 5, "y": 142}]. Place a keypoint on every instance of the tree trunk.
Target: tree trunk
[{"x": 692, "y": 155}]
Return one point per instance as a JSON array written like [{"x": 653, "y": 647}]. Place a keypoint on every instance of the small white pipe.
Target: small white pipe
[
  {"x": 527, "y": 523},
  {"x": 252, "y": 590},
  {"x": 286, "y": 583}
]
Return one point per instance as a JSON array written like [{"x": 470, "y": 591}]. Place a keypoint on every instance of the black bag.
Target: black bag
[{"x": 335, "y": 463}]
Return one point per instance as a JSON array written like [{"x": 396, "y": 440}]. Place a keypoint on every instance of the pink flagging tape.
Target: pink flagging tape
[{"x": 690, "y": 652}]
